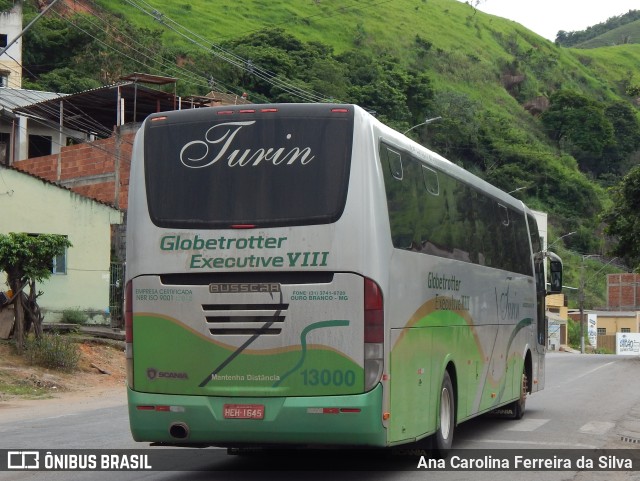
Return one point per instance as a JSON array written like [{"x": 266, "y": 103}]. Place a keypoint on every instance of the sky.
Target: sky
[{"x": 547, "y": 17}]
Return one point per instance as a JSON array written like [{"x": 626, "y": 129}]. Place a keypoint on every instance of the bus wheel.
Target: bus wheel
[
  {"x": 443, "y": 438},
  {"x": 519, "y": 405}
]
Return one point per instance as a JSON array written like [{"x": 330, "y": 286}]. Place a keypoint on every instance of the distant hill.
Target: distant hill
[{"x": 619, "y": 30}]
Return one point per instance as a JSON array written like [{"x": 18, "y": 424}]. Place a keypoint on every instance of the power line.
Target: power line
[
  {"x": 129, "y": 42},
  {"x": 243, "y": 64}
]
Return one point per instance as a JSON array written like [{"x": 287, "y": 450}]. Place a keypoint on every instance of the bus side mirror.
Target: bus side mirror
[{"x": 556, "y": 274}]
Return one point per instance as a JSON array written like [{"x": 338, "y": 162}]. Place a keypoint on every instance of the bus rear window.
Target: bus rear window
[{"x": 206, "y": 170}]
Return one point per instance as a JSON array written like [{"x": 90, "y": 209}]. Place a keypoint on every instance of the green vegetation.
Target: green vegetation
[
  {"x": 573, "y": 333},
  {"x": 25, "y": 389},
  {"x": 27, "y": 259},
  {"x": 74, "y": 316},
  {"x": 52, "y": 351},
  {"x": 624, "y": 217},
  {"x": 6, "y": 5},
  {"x": 615, "y": 31},
  {"x": 489, "y": 79}
]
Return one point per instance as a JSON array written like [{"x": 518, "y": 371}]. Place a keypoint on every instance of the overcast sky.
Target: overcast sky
[{"x": 547, "y": 17}]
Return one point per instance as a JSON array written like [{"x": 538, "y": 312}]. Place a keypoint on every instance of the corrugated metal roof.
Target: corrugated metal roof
[
  {"x": 12, "y": 99},
  {"x": 96, "y": 110}
]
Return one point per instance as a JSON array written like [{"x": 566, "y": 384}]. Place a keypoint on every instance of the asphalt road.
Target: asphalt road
[{"x": 589, "y": 402}]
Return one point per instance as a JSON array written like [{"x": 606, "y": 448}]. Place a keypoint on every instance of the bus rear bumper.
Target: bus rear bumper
[{"x": 353, "y": 420}]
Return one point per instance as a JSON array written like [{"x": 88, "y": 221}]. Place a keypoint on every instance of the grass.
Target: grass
[{"x": 22, "y": 388}]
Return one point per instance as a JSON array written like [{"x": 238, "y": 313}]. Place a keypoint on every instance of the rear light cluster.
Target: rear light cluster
[
  {"x": 128, "y": 331},
  {"x": 266, "y": 110},
  {"x": 373, "y": 334}
]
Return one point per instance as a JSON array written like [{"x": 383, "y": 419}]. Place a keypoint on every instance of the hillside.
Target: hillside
[
  {"x": 625, "y": 34},
  {"x": 618, "y": 30},
  {"x": 489, "y": 79}
]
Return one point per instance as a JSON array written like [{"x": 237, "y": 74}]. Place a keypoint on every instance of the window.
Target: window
[
  {"x": 294, "y": 168},
  {"x": 3, "y": 40},
  {"x": 39, "y": 145},
  {"x": 625, "y": 329},
  {"x": 5, "y": 140},
  {"x": 4, "y": 78},
  {"x": 59, "y": 264},
  {"x": 433, "y": 212},
  {"x": 602, "y": 331}
]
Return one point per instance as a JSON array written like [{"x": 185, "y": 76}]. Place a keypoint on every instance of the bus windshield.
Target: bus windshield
[{"x": 218, "y": 171}]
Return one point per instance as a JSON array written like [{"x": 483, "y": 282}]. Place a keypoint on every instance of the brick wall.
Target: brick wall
[
  {"x": 623, "y": 291},
  {"x": 88, "y": 169}
]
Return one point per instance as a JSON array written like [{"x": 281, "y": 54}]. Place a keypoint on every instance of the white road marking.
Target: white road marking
[
  {"x": 590, "y": 372},
  {"x": 536, "y": 443},
  {"x": 528, "y": 424},
  {"x": 597, "y": 427}
]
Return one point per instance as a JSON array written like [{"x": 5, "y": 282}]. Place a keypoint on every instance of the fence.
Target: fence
[
  {"x": 607, "y": 342},
  {"x": 116, "y": 294}
]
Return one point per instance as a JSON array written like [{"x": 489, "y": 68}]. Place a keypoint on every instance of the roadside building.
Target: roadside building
[{"x": 80, "y": 277}]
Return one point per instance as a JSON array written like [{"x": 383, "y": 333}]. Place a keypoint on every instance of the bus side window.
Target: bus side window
[
  {"x": 430, "y": 178},
  {"x": 395, "y": 164},
  {"x": 504, "y": 214}
]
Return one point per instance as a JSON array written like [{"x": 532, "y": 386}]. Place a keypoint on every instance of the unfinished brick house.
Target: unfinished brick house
[
  {"x": 623, "y": 292},
  {"x": 96, "y": 161},
  {"x": 88, "y": 147}
]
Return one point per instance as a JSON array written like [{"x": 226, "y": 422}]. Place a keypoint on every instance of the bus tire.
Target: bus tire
[
  {"x": 443, "y": 439},
  {"x": 519, "y": 405}
]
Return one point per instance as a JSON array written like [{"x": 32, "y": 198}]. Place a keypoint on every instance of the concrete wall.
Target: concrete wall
[
  {"x": 36, "y": 206},
  {"x": 613, "y": 323}
]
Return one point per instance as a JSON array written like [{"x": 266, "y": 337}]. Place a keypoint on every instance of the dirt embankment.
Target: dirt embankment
[{"x": 98, "y": 381}]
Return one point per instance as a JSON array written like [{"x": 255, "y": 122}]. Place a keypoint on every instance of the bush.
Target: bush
[
  {"x": 52, "y": 351},
  {"x": 74, "y": 316},
  {"x": 573, "y": 328}
]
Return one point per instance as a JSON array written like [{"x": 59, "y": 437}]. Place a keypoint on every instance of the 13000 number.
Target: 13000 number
[{"x": 326, "y": 377}]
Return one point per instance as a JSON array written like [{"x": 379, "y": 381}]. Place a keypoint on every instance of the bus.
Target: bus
[{"x": 303, "y": 275}]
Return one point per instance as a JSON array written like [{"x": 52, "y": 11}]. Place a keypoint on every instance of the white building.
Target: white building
[
  {"x": 81, "y": 277},
  {"x": 11, "y": 60}
]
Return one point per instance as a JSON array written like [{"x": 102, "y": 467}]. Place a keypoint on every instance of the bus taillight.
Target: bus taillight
[
  {"x": 128, "y": 313},
  {"x": 373, "y": 312},
  {"x": 373, "y": 334},
  {"x": 128, "y": 331}
]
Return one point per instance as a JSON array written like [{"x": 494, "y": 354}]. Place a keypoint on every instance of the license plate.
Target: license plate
[{"x": 243, "y": 411}]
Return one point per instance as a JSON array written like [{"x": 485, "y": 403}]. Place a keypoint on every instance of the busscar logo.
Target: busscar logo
[
  {"x": 23, "y": 460},
  {"x": 241, "y": 287},
  {"x": 153, "y": 374}
]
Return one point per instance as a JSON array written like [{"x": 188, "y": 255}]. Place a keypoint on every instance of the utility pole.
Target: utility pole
[
  {"x": 581, "y": 303},
  {"x": 583, "y": 283}
]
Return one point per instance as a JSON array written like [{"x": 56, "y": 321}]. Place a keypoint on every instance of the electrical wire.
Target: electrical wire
[{"x": 244, "y": 64}]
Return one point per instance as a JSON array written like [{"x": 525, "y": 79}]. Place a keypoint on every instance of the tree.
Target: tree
[
  {"x": 27, "y": 259},
  {"x": 623, "y": 218},
  {"x": 626, "y": 127},
  {"x": 579, "y": 126}
]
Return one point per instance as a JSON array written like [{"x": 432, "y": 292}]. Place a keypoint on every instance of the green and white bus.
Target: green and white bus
[{"x": 303, "y": 275}]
